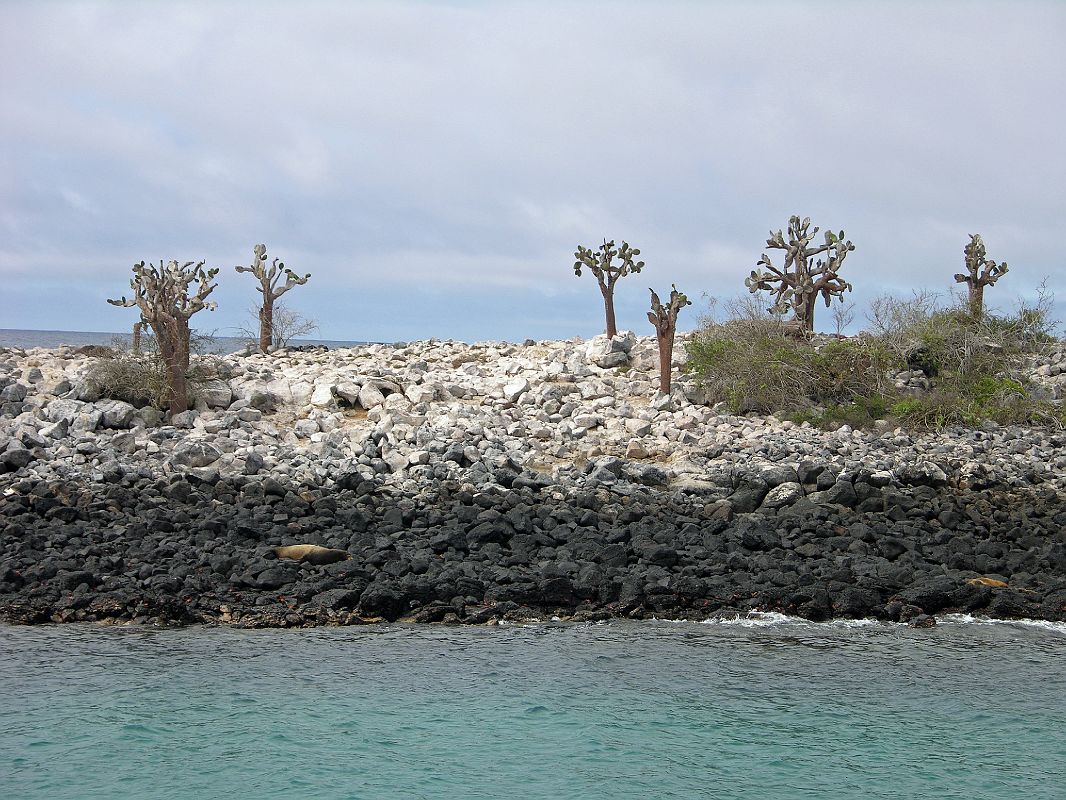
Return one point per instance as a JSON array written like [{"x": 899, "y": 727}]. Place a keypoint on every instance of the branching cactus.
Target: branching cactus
[
  {"x": 162, "y": 296},
  {"x": 664, "y": 318},
  {"x": 601, "y": 263},
  {"x": 269, "y": 278},
  {"x": 799, "y": 282},
  {"x": 980, "y": 272}
]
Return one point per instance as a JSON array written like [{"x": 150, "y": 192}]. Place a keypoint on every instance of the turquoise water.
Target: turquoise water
[{"x": 765, "y": 709}]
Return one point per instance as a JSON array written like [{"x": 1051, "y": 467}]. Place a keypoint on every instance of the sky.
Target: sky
[{"x": 434, "y": 165}]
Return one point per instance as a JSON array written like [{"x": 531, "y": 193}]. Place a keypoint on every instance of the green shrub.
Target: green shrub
[
  {"x": 141, "y": 378},
  {"x": 752, "y": 365},
  {"x": 977, "y": 366},
  {"x": 846, "y": 370},
  {"x": 862, "y": 412},
  {"x": 756, "y": 365}
]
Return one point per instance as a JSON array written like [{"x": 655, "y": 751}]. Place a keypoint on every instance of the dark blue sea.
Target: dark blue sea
[
  {"x": 763, "y": 709},
  {"x": 211, "y": 344}
]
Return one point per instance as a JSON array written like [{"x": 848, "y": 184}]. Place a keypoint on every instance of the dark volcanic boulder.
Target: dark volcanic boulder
[
  {"x": 382, "y": 598},
  {"x": 749, "y": 493},
  {"x": 15, "y": 459},
  {"x": 931, "y": 594},
  {"x": 333, "y": 599},
  {"x": 275, "y": 577},
  {"x": 556, "y": 591}
]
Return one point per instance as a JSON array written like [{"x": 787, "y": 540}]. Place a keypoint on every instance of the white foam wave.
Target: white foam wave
[
  {"x": 965, "y": 619},
  {"x": 766, "y": 619},
  {"x": 769, "y": 619},
  {"x": 859, "y": 623},
  {"x": 970, "y": 619},
  {"x": 755, "y": 619},
  {"x": 1043, "y": 624}
]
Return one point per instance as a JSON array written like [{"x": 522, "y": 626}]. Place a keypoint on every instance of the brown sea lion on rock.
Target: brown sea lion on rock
[
  {"x": 312, "y": 554},
  {"x": 987, "y": 582}
]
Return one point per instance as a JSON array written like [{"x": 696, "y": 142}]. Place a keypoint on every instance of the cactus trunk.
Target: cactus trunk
[
  {"x": 666, "y": 357},
  {"x": 806, "y": 321},
  {"x": 173, "y": 338},
  {"x": 266, "y": 323},
  {"x": 179, "y": 390},
  {"x": 608, "y": 304},
  {"x": 977, "y": 299}
]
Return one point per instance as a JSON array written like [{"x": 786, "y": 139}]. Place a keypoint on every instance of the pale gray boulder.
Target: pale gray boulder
[{"x": 194, "y": 453}]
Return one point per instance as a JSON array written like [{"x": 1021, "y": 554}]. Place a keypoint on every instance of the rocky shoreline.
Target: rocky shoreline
[{"x": 488, "y": 482}]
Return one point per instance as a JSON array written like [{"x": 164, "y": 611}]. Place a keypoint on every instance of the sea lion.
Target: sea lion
[
  {"x": 312, "y": 554},
  {"x": 987, "y": 582}
]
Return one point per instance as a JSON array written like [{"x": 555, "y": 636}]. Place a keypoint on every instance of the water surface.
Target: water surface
[{"x": 767, "y": 709}]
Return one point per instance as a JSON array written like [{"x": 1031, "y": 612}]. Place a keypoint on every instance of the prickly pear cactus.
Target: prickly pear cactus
[
  {"x": 269, "y": 277},
  {"x": 601, "y": 263},
  {"x": 664, "y": 319},
  {"x": 162, "y": 295},
  {"x": 981, "y": 271},
  {"x": 803, "y": 277}
]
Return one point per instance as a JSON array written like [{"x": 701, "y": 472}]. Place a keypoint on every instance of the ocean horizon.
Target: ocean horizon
[{"x": 29, "y": 338}]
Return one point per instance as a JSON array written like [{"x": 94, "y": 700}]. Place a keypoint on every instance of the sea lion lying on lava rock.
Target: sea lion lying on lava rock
[
  {"x": 312, "y": 554},
  {"x": 987, "y": 582}
]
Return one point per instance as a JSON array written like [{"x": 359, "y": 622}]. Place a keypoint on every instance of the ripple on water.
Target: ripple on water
[{"x": 760, "y": 707}]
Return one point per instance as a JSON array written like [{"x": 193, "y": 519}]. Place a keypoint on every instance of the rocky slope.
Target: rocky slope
[{"x": 471, "y": 482}]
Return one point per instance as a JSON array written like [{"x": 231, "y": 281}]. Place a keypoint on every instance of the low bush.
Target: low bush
[
  {"x": 141, "y": 377},
  {"x": 862, "y": 412},
  {"x": 999, "y": 399},
  {"x": 137, "y": 377},
  {"x": 757, "y": 365},
  {"x": 977, "y": 366}
]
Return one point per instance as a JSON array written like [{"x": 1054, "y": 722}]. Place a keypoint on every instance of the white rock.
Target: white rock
[
  {"x": 512, "y": 390},
  {"x": 57, "y": 430},
  {"x": 638, "y": 427},
  {"x": 348, "y": 391},
  {"x": 322, "y": 396},
  {"x": 186, "y": 419},
  {"x": 782, "y": 495},
  {"x": 215, "y": 393},
  {"x": 370, "y": 396},
  {"x": 419, "y": 393},
  {"x": 65, "y": 410},
  {"x": 662, "y": 402},
  {"x": 194, "y": 453},
  {"x": 396, "y": 460}
]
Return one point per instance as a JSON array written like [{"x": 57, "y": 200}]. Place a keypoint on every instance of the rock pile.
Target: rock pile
[{"x": 477, "y": 481}]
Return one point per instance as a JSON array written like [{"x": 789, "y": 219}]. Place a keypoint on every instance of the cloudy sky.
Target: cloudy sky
[{"x": 435, "y": 164}]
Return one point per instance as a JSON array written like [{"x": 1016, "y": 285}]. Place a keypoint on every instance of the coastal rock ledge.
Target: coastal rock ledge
[{"x": 471, "y": 483}]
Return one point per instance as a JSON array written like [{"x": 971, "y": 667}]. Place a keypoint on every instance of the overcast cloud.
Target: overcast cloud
[{"x": 434, "y": 165}]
